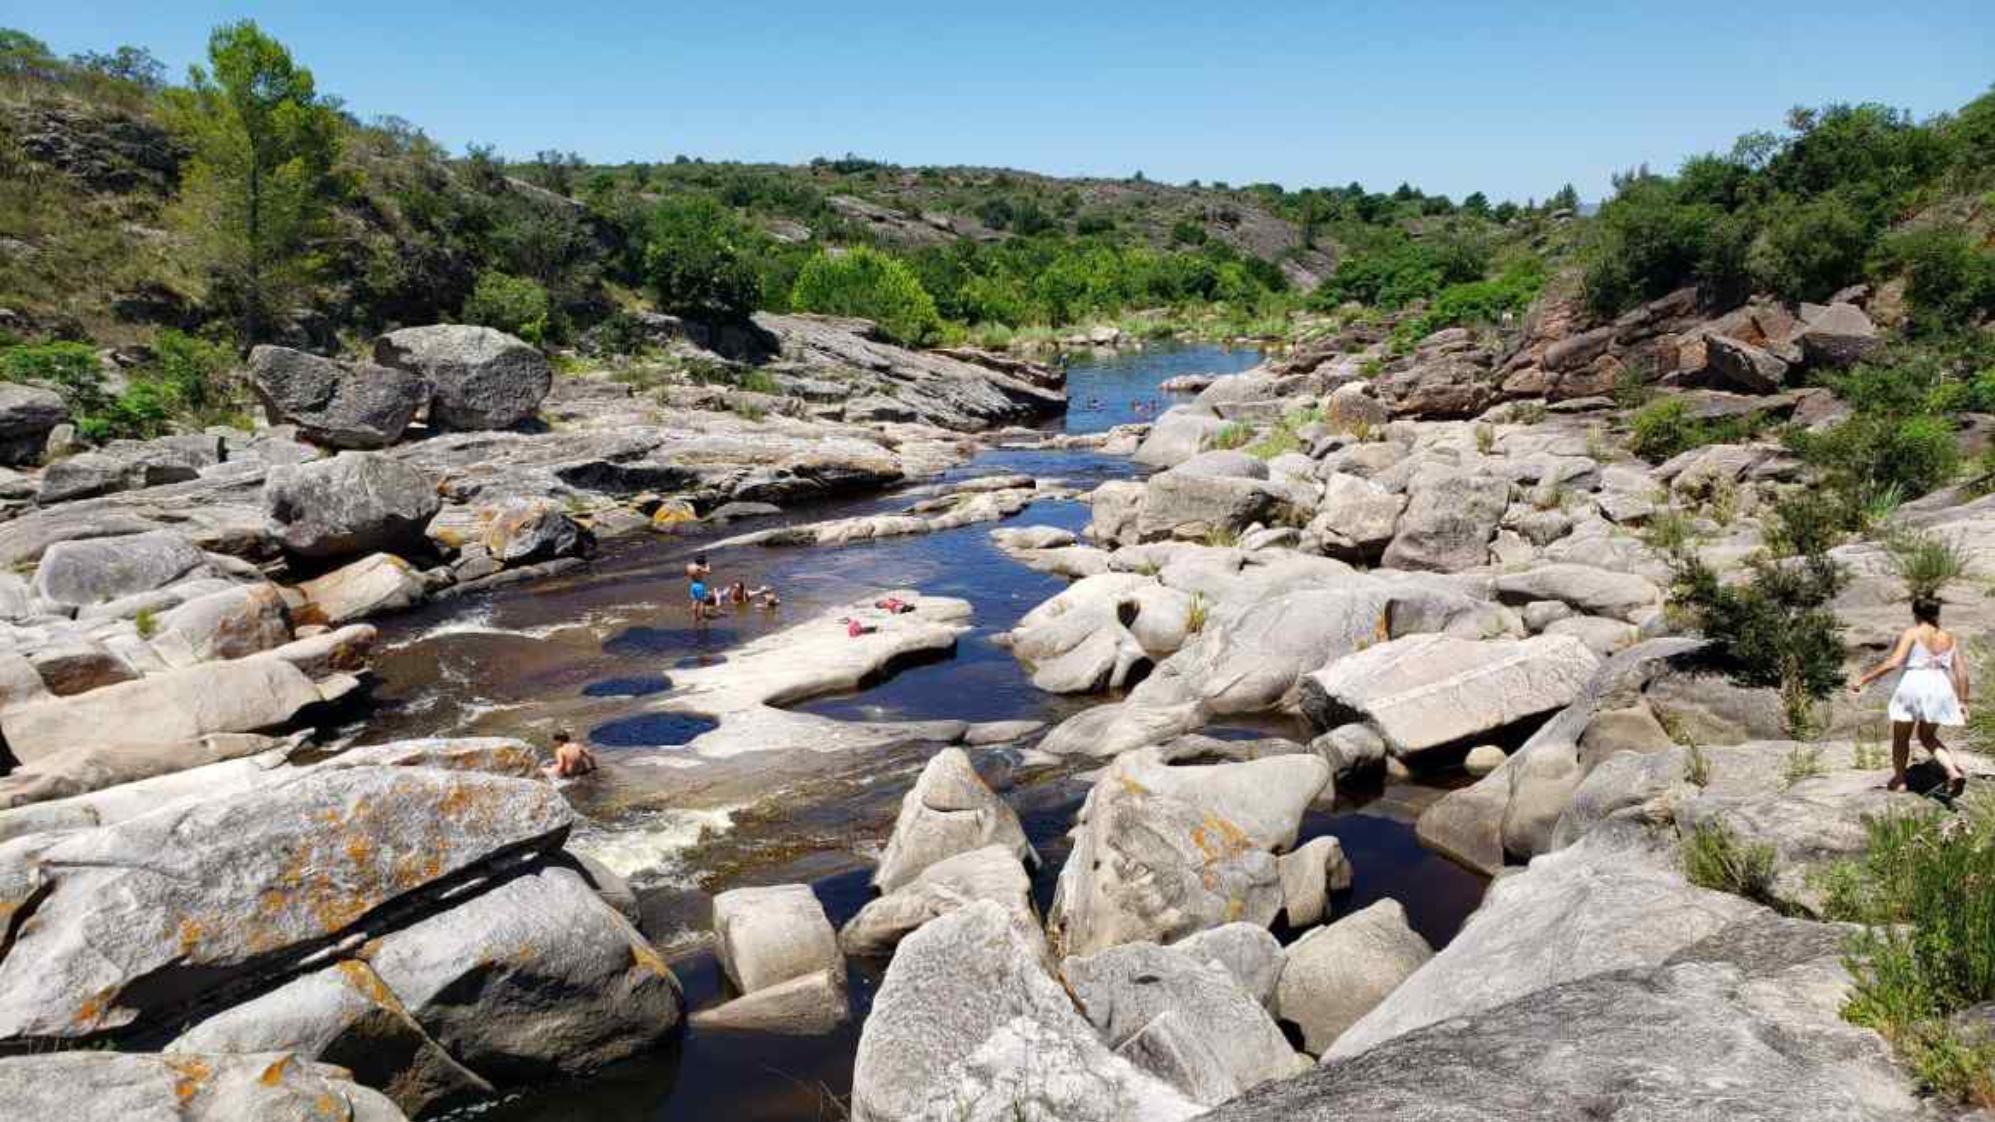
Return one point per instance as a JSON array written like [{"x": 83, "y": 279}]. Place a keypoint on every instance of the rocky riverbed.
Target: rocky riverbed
[{"x": 1171, "y": 789}]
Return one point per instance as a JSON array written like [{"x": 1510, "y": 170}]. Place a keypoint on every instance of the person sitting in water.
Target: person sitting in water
[
  {"x": 1932, "y": 692},
  {"x": 740, "y": 593},
  {"x": 570, "y": 759}
]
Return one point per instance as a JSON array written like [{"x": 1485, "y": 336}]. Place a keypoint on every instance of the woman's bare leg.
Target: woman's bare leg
[
  {"x": 1901, "y": 753},
  {"x": 1929, "y": 735}
]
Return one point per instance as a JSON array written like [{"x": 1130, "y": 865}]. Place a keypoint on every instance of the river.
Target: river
[{"x": 618, "y": 628}]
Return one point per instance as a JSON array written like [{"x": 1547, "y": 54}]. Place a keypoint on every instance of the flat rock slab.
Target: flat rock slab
[
  {"x": 149, "y": 1087},
  {"x": 247, "y": 695},
  {"x": 154, "y": 913},
  {"x": 1429, "y": 691}
]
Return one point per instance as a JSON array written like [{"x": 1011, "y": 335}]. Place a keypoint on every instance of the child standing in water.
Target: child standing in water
[
  {"x": 1931, "y": 693},
  {"x": 703, "y": 599}
]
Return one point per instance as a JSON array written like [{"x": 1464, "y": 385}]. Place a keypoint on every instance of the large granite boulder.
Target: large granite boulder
[
  {"x": 340, "y": 405},
  {"x": 1743, "y": 1026},
  {"x": 948, "y": 811},
  {"x": 1123, "y": 989},
  {"x": 1334, "y": 975},
  {"x": 479, "y": 378},
  {"x": 969, "y": 1027},
  {"x": 230, "y": 623},
  {"x": 1741, "y": 367},
  {"x": 355, "y": 502},
  {"x": 1585, "y": 588},
  {"x": 1162, "y": 851},
  {"x": 27, "y": 414},
  {"x": 1356, "y": 518},
  {"x": 75, "y": 574},
  {"x": 1837, "y": 335},
  {"x": 992, "y": 873},
  {"x": 1449, "y": 386},
  {"x": 768, "y": 935},
  {"x": 1428, "y": 692},
  {"x": 1195, "y": 504},
  {"x": 150, "y": 1087},
  {"x": 139, "y": 920},
  {"x": 375, "y": 585},
  {"x": 246, "y": 695},
  {"x": 1448, "y": 522},
  {"x": 1181, "y": 433}
]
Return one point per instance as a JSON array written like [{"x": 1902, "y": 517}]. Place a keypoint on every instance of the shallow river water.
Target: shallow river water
[{"x": 618, "y": 629}]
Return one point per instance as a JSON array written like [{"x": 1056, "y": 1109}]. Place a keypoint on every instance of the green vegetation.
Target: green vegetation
[
  {"x": 1927, "y": 563},
  {"x": 186, "y": 377},
  {"x": 1800, "y": 214},
  {"x": 516, "y": 305},
  {"x": 261, "y": 182},
  {"x": 695, "y": 263},
  {"x": 1923, "y": 890},
  {"x": 1665, "y": 428},
  {"x": 1775, "y": 628},
  {"x": 1715, "y": 857},
  {"x": 1803, "y": 761},
  {"x": 1233, "y": 434},
  {"x": 871, "y": 285}
]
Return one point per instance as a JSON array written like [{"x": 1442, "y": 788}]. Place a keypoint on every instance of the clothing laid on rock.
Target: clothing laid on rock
[{"x": 1925, "y": 691}]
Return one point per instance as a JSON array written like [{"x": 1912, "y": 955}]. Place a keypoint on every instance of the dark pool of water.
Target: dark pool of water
[
  {"x": 651, "y": 730},
  {"x": 618, "y": 627},
  {"x": 642, "y": 685}
]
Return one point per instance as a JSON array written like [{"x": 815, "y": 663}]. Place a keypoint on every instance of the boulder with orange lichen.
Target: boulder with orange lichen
[
  {"x": 165, "y": 913},
  {"x": 1163, "y": 851},
  {"x": 150, "y": 1087}
]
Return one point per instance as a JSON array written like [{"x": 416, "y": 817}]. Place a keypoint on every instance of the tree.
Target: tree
[
  {"x": 126, "y": 64},
  {"x": 694, "y": 261},
  {"x": 1567, "y": 197},
  {"x": 261, "y": 178},
  {"x": 871, "y": 285},
  {"x": 1477, "y": 204}
]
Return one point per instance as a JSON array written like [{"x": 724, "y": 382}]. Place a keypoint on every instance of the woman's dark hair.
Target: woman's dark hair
[{"x": 1926, "y": 609}]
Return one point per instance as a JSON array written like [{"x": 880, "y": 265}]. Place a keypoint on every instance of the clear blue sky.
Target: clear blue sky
[{"x": 1452, "y": 96}]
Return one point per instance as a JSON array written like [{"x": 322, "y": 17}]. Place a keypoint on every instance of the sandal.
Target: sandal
[
  {"x": 1895, "y": 783},
  {"x": 1957, "y": 784}
]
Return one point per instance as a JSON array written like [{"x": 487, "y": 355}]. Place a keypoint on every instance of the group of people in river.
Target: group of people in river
[{"x": 706, "y": 599}]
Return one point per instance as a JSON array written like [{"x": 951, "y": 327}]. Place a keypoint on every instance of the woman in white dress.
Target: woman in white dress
[{"x": 1932, "y": 693}]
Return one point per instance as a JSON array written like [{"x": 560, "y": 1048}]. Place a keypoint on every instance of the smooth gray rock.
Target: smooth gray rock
[
  {"x": 1838, "y": 335},
  {"x": 1183, "y": 503},
  {"x": 535, "y": 978},
  {"x": 1693, "y": 1040},
  {"x": 375, "y": 585},
  {"x": 969, "y": 1025},
  {"x": 948, "y": 811},
  {"x": 1122, "y": 989},
  {"x": 1334, "y": 975},
  {"x": 1424, "y": 692},
  {"x": 990, "y": 873},
  {"x": 246, "y": 695},
  {"x": 1309, "y": 875},
  {"x": 1586, "y": 589},
  {"x": 1246, "y": 951},
  {"x": 1448, "y": 522},
  {"x": 1741, "y": 367},
  {"x": 343, "y": 1015},
  {"x": 1174, "y": 1050},
  {"x": 1356, "y": 518},
  {"x": 76, "y": 573},
  {"x": 1162, "y": 851},
  {"x": 768, "y": 935},
  {"x": 340, "y": 405},
  {"x": 152, "y": 913},
  {"x": 1181, "y": 433},
  {"x": 355, "y": 502},
  {"x": 1604, "y": 905},
  {"x": 479, "y": 378},
  {"x": 150, "y": 1087},
  {"x": 27, "y": 415},
  {"x": 233, "y": 623},
  {"x": 810, "y": 1005}
]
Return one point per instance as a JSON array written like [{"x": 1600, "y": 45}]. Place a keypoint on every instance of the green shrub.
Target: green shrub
[
  {"x": 870, "y": 285},
  {"x": 1808, "y": 250},
  {"x": 70, "y": 369},
  {"x": 1874, "y": 452},
  {"x": 1665, "y": 428},
  {"x": 1925, "y": 889},
  {"x": 694, "y": 261},
  {"x": 1950, "y": 278},
  {"x": 515, "y": 305},
  {"x": 1926, "y": 563},
  {"x": 1233, "y": 434},
  {"x": 1774, "y": 629},
  {"x": 196, "y": 374},
  {"x": 1714, "y": 857}
]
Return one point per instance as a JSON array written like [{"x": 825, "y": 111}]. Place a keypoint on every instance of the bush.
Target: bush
[
  {"x": 515, "y": 305},
  {"x": 1715, "y": 858},
  {"x": 1925, "y": 889},
  {"x": 1926, "y": 563},
  {"x": 871, "y": 285},
  {"x": 694, "y": 261},
  {"x": 1950, "y": 279},
  {"x": 1808, "y": 250},
  {"x": 1875, "y": 453},
  {"x": 1647, "y": 241},
  {"x": 1775, "y": 628},
  {"x": 1665, "y": 428},
  {"x": 70, "y": 369}
]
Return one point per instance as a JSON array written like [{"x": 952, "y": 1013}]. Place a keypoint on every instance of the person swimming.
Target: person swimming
[{"x": 570, "y": 759}]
